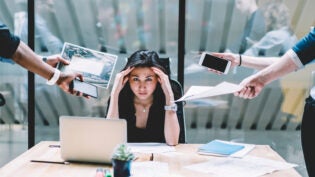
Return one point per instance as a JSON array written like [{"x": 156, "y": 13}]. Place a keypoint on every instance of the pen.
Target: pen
[{"x": 44, "y": 161}]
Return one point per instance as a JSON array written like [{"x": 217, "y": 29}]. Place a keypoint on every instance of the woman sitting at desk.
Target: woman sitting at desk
[{"x": 143, "y": 96}]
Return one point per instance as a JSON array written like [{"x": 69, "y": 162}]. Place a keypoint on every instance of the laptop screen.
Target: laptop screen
[{"x": 90, "y": 139}]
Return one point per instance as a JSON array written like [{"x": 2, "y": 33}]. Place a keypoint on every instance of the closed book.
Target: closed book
[{"x": 219, "y": 148}]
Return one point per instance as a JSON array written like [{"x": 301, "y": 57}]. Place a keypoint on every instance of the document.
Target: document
[
  {"x": 96, "y": 67},
  {"x": 149, "y": 169},
  {"x": 195, "y": 92},
  {"x": 248, "y": 166},
  {"x": 150, "y": 147}
]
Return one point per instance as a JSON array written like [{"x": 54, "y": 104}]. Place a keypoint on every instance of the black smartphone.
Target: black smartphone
[
  {"x": 215, "y": 63},
  {"x": 85, "y": 88}
]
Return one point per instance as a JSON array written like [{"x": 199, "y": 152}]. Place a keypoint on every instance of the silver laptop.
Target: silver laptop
[{"x": 90, "y": 139}]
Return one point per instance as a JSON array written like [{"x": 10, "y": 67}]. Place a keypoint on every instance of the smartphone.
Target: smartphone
[
  {"x": 215, "y": 63},
  {"x": 85, "y": 88}
]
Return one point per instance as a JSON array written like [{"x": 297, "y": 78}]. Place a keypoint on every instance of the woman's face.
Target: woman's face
[{"x": 143, "y": 82}]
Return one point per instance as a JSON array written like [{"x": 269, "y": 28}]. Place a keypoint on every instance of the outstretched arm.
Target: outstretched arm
[
  {"x": 253, "y": 85},
  {"x": 25, "y": 57},
  {"x": 247, "y": 61}
]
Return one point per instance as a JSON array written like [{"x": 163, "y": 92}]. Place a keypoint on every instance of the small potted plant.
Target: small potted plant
[{"x": 121, "y": 161}]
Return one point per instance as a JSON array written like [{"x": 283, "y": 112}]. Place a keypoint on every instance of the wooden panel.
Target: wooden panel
[
  {"x": 235, "y": 113},
  {"x": 294, "y": 8},
  {"x": 270, "y": 109},
  {"x": 45, "y": 103},
  {"x": 194, "y": 24},
  {"x": 253, "y": 110},
  {"x": 86, "y": 22},
  {"x": 172, "y": 27},
  {"x": 216, "y": 26},
  {"x": 6, "y": 15},
  {"x": 299, "y": 97},
  {"x": 306, "y": 18},
  {"x": 67, "y": 26}
]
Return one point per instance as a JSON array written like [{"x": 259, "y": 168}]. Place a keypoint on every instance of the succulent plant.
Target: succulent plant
[{"x": 123, "y": 153}]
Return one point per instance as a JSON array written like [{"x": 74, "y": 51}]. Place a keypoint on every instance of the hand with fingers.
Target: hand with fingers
[
  {"x": 53, "y": 60},
  {"x": 252, "y": 86},
  {"x": 120, "y": 81},
  {"x": 66, "y": 79},
  {"x": 165, "y": 85}
]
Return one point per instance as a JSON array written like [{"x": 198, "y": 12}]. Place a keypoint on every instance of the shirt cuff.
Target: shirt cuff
[{"x": 295, "y": 58}]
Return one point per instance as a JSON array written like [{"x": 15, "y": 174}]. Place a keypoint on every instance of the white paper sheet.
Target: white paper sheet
[
  {"x": 248, "y": 166},
  {"x": 150, "y": 147},
  {"x": 149, "y": 169},
  {"x": 195, "y": 92}
]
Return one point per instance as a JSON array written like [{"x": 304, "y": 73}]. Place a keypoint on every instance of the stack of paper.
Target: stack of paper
[{"x": 196, "y": 92}]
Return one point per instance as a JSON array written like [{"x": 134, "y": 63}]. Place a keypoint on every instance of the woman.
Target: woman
[
  {"x": 142, "y": 95},
  {"x": 280, "y": 37}
]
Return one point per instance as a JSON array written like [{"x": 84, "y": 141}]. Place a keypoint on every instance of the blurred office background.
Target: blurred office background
[{"x": 121, "y": 27}]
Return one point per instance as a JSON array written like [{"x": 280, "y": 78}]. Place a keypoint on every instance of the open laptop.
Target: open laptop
[{"x": 90, "y": 139}]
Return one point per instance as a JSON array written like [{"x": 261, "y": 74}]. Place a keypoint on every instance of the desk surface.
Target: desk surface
[{"x": 21, "y": 166}]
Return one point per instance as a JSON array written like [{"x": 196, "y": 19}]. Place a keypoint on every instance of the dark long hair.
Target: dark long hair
[
  {"x": 142, "y": 58},
  {"x": 145, "y": 58}
]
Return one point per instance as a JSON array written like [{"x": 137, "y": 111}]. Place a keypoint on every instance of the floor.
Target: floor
[{"x": 13, "y": 141}]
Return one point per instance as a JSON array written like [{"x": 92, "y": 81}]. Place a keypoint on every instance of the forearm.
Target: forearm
[
  {"x": 171, "y": 128},
  {"x": 257, "y": 62},
  {"x": 113, "y": 112},
  {"x": 25, "y": 57},
  {"x": 283, "y": 66}
]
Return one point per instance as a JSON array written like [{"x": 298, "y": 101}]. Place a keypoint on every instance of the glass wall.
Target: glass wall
[
  {"x": 119, "y": 27},
  {"x": 13, "y": 88},
  {"x": 247, "y": 27}
]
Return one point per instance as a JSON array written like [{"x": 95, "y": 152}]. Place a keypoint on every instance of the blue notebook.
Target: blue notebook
[{"x": 220, "y": 148}]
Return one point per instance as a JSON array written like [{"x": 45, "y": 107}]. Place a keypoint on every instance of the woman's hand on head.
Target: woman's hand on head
[
  {"x": 165, "y": 84},
  {"x": 120, "y": 80}
]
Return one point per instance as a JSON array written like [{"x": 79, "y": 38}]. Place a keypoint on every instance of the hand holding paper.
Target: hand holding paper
[{"x": 195, "y": 92}]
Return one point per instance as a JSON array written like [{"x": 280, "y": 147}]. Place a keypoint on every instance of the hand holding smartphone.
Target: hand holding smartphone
[
  {"x": 85, "y": 88},
  {"x": 215, "y": 63}
]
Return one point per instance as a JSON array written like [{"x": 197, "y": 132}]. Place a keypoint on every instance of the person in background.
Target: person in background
[
  {"x": 12, "y": 50},
  {"x": 280, "y": 37},
  {"x": 272, "y": 68},
  {"x": 44, "y": 37},
  {"x": 254, "y": 29},
  {"x": 142, "y": 95}
]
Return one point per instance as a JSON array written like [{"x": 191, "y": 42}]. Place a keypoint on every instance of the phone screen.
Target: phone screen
[
  {"x": 85, "y": 88},
  {"x": 214, "y": 63}
]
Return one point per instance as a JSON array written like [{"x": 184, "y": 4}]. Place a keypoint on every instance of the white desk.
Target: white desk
[{"x": 22, "y": 167}]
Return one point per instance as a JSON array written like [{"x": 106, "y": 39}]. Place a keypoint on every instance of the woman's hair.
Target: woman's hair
[
  {"x": 145, "y": 58},
  {"x": 276, "y": 15}
]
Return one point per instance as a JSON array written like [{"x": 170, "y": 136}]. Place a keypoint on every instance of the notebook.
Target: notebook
[{"x": 90, "y": 139}]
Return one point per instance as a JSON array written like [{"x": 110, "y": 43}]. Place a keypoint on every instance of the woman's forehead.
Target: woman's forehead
[{"x": 142, "y": 71}]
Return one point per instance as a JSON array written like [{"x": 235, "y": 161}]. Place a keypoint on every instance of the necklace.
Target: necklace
[{"x": 144, "y": 110}]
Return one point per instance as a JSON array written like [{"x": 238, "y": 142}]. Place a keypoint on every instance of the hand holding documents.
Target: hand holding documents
[
  {"x": 195, "y": 92},
  {"x": 96, "y": 67}
]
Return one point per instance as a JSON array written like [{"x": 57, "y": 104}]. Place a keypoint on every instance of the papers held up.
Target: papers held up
[{"x": 195, "y": 92}]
